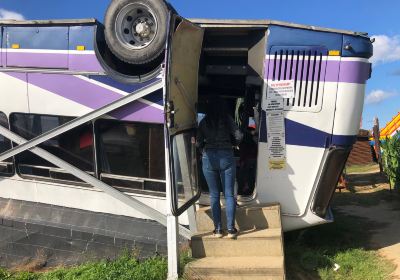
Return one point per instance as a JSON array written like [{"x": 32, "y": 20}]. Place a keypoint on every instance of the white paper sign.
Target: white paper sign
[
  {"x": 280, "y": 89},
  {"x": 276, "y": 146},
  {"x": 274, "y": 104},
  {"x": 275, "y": 123},
  {"x": 276, "y": 140}
]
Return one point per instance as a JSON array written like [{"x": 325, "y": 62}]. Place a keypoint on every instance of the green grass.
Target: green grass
[
  {"x": 126, "y": 267},
  {"x": 312, "y": 253},
  {"x": 361, "y": 168},
  {"x": 357, "y": 264}
]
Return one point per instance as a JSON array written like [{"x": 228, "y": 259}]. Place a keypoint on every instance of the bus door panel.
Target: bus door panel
[
  {"x": 183, "y": 75},
  {"x": 181, "y": 113}
]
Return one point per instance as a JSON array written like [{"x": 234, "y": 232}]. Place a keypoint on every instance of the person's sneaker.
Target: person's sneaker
[
  {"x": 218, "y": 233},
  {"x": 232, "y": 233}
]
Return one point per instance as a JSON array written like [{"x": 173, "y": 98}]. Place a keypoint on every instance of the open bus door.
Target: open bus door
[{"x": 181, "y": 114}]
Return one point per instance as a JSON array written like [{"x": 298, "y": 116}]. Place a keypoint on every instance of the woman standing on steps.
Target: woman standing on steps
[{"x": 216, "y": 136}]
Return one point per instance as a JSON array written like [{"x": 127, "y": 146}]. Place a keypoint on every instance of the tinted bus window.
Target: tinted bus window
[
  {"x": 74, "y": 146},
  {"x": 131, "y": 155},
  {"x": 6, "y": 167}
]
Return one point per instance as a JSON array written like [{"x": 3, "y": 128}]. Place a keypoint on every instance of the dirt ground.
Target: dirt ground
[{"x": 369, "y": 197}]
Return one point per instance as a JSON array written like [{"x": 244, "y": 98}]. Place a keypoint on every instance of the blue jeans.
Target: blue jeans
[{"x": 219, "y": 170}]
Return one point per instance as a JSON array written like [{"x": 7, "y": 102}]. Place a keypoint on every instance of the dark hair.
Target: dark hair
[{"x": 215, "y": 111}]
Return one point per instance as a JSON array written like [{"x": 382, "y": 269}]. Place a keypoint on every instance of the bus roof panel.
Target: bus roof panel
[
  {"x": 265, "y": 23},
  {"x": 203, "y": 22}
]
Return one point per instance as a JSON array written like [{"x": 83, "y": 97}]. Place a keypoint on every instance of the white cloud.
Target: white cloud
[
  {"x": 6, "y": 14},
  {"x": 386, "y": 49},
  {"x": 377, "y": 96}
]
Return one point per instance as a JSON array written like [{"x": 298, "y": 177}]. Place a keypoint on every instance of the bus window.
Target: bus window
[
  {"x": 6, "y": 167},
  {"x": 131, "y": 155},
  {"x": 74, "y": 146}
]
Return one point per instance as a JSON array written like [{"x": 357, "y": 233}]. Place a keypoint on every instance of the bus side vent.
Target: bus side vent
[{"x": 306, "y": 66}]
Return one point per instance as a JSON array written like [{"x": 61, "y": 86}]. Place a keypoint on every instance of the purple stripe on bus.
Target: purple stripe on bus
[
  {"x": 304, "y": 69},
  {"x": 139, "y": 112},
  {"x": 19, "y": 75},
  {"x": 320, "y": 67},
  {"x": 354, "y": 71},
  {"x": 332, "y": 72},
  {"x": 84, "y": 62},
  {"x": 75, "y": 89},
  {"x": 73, "y": 62},
  {"x": 44, "y": 60},
  {"x": 2, "y": 57},
  {"x": 350, "y": 71},
  {"x": 91, "y": 95},
  {"x": 288, "y": 67}
]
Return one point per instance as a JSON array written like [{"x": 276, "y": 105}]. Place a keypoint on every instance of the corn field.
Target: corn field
[{"x": 391, "y": 160}]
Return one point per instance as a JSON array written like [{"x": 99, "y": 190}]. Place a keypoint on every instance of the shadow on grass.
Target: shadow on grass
[
  {"x": 367, "y": 190},
  {"x": 366, "y": 199},
  {"x": 312, "y": 253},
  {"x": 365, "y": 179}
]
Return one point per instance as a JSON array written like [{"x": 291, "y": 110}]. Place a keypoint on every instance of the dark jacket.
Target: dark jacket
[{"x": 223, "y": 135}]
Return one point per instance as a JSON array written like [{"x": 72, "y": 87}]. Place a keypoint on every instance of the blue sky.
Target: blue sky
[{"x": 378, "y": 18}]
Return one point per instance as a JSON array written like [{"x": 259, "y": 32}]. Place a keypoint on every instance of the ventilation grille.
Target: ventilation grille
[{"x": 306, "y": 66}]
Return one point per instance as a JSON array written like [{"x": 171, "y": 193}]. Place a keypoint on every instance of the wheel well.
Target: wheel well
[{"x": 120, "y": 70}]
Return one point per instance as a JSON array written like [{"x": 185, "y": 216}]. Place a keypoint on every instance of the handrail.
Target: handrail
[{"x": 83, "y": 119}]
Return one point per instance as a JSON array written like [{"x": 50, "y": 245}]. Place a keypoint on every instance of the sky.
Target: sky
[{"x": 379, "y": 18}]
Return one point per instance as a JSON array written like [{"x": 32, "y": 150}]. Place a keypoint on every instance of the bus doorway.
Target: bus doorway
[{"x": 231, "y": 68}]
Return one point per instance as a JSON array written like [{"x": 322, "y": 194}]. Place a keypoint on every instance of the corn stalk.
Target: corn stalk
[{"x": 391, "y": 160}]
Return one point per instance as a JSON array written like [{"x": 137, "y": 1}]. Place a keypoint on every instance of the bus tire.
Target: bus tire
[{"x": 136, "y": 30}]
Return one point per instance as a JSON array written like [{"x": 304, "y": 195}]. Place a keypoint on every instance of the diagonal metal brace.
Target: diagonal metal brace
[
  {"x": 126, "y": 199},
  {"x": 26, "y": 145}
]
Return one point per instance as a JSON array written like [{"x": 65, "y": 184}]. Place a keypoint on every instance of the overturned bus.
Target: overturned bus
[{"x": 98, "y": 121}]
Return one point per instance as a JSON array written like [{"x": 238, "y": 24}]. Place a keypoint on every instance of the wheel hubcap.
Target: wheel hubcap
[{"x": 136, "y": 26}]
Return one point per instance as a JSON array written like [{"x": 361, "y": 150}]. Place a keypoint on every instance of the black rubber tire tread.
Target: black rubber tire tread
[{"x": 154, "y": 49}]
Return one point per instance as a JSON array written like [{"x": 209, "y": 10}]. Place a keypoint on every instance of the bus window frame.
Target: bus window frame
[
  {"x": 12, "y": 162},
  {"x": 96, "y": 172},
  {"x": 102, "y": 174},
  {"x": 50, "y": 169}
]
